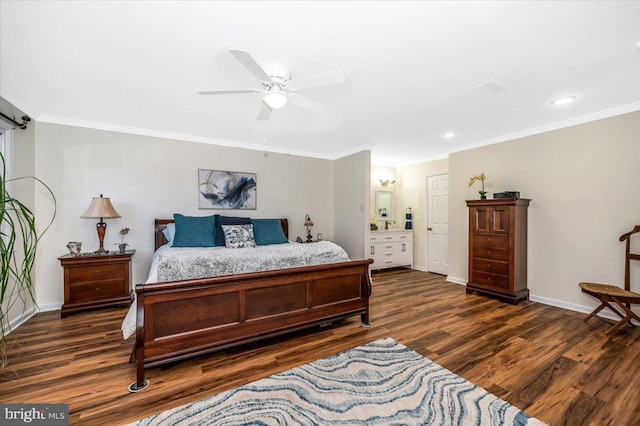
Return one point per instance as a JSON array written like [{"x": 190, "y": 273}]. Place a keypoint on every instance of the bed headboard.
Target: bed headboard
[{"x": 161, "y": 225}]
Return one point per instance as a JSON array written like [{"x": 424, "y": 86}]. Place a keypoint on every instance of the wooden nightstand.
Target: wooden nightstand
[{"x": 95, "y": 281}]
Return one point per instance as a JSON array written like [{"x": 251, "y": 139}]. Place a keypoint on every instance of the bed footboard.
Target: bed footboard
[{"x": 182, "y": 319}]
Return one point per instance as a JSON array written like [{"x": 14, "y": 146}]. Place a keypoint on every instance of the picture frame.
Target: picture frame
[{"x": 220, "y": 189}]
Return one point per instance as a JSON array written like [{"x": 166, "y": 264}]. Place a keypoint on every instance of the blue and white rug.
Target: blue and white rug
[{"x": 380, "y": 383}]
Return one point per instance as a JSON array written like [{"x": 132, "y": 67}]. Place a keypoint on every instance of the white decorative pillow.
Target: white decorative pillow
[
  {"x": 238, "y": 236},
  {"x": 169, "y": 232}
]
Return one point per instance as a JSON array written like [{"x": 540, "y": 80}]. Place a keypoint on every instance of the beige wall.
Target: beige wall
[
  {"x": 148, "y": 177},
  {"x": 352, "y": 202},
  {"x": 22, "y": 147},
  {"x": 583, "y": 183}
]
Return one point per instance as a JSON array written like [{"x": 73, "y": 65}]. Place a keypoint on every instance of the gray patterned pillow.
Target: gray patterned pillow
[{"x": 238, "y": 236}]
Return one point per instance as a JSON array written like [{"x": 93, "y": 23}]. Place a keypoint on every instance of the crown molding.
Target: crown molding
[{"x": 587, "y": 118}]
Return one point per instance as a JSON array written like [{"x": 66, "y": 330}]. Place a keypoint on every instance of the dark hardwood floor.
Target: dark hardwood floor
[{"x": 542, "y": 359}]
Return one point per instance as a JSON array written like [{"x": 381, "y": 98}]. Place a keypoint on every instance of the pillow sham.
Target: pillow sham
[
  {"x": 194, "y": 231},
  {"x": 238, "y": 236},
  {"x": 268, "y": 231},
  {"x": 169, "y": 232},
  {"x": 227, "y": 220}
]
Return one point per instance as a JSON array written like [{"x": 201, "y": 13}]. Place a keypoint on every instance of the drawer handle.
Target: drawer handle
[
  {"x": 488, "y": 266},
  {"x": 98, "y": 271},
  {"x": 489, "y": 252}
]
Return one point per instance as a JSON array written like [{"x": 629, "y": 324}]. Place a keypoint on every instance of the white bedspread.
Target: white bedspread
[{"x": 177, "y": 264}]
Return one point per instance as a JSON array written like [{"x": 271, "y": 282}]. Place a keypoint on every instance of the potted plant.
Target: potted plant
[
  {"x": 474, "y": 179},
  {"x": 18, "y": 244},
  {"x": 123, "y": 246}
]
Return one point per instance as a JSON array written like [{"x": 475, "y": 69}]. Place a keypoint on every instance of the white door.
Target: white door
[{"x": 438, "y": 224}]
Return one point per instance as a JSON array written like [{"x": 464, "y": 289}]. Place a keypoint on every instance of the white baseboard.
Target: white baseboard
[
  {"x": 574, "y": 307},
  {"x": 50, "y": 307},
  {"x": 16, "y": 322},
  {"x": 419, "y": 268},
  {"x": 456, "y": 280},
  {"x": 553, "y": 302}
]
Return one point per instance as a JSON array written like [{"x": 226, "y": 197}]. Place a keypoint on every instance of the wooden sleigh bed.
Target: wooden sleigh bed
[{"x": 181, "y": 319}]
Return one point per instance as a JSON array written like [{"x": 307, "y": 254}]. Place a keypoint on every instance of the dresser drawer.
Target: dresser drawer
[
  {"x": 83, "y": 274},
  {"x": 491, "y": 253},
  {"x": 492, "y": 267},
  {"x": 491, "y": 241},
  {"x": 490, "y": 280},
  {"x": 97, "y": 291}
]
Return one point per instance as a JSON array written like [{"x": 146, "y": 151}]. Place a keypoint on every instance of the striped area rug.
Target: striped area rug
[{"x": 380, "y": 383}]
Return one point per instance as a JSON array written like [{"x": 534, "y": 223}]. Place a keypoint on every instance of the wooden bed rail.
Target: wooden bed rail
[{"x": 182, "y": 319}]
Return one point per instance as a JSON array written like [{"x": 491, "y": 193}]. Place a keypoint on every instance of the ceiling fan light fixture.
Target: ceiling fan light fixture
[{"x": 275, "y": 98}]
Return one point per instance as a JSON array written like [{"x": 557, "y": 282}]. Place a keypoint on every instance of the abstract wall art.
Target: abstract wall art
[{"x": 226, "y": 190}]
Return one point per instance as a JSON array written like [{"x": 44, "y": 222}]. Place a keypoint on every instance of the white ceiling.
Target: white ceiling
[{"x": 411, "y": 69}]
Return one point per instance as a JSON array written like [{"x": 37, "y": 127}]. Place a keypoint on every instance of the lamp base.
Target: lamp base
[
  {"x": 309, "y": 236},
  {"x": 101, "y": 227}
]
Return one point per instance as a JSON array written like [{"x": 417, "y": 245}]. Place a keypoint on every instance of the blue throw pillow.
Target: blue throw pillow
[
  {"x": 228, "y": 220},
  {"x": 194, "y": 231},
  {"x": 268, "y": 231}
]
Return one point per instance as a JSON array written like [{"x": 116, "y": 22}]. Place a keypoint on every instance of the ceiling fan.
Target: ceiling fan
[{"x": 279, "y": 88}]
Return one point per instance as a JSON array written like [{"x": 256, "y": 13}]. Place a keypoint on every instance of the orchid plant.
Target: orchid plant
[
  {"x": 123, "y": 232},
  {"x": 480, "y": 178}
]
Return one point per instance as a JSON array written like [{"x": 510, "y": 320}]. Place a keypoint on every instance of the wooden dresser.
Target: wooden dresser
[
  {"x": 93, "y": 281},
  {"x": 498, "y": 248}
]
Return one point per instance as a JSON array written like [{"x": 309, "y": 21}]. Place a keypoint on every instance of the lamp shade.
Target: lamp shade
[
  {"x": 275, "y": 98},
  {"x": 101, "y": 207},
  {"x": 307, "y": 221}
]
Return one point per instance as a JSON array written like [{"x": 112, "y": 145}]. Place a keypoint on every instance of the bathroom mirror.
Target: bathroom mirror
[{"x": 384, "y": 205}]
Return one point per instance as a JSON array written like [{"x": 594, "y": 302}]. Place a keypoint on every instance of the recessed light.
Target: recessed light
[
  {"x": 448, "y": 135},
  {"x": 564, "y": 101}
]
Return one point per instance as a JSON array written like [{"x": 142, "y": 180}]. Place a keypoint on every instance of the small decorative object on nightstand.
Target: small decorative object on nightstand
[
  {"x": 308, "y": 223},
  {"x": 123, "y": 246},
  {"x": 96, "y": 280}
]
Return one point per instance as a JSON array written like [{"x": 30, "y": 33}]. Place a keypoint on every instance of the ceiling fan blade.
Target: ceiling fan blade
[
  {"x": 228, "y": 91},
  {"x": 317, "y": 80},
  {"x": 247, "y": 60},
  {"x": 305, "y": 103},
  {"x": 264, "y": 113}
]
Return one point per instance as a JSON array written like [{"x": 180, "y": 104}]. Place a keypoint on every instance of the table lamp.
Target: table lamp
[
  {"x": 308, "y": 223},
  {"x": 101, "y": 208}
]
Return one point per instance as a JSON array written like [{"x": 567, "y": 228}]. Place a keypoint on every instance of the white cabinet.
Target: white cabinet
[{"x": 389, "y": 249}]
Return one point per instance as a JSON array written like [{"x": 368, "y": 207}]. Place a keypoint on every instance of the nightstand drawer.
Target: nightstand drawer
[
  {"x": 97, "y": 291},
  {"x": 83, "y": 274}
]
